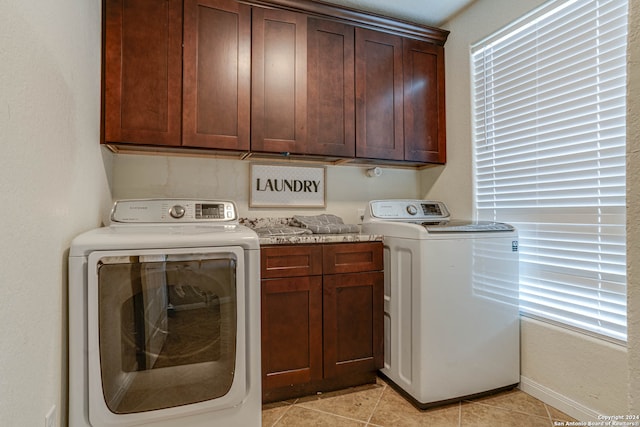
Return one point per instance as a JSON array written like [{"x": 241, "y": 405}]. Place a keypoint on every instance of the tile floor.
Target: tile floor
[{"x": 379, "y": 405}]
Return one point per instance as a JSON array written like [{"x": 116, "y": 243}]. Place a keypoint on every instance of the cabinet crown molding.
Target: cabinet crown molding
[{"x": 359, "y": 18}]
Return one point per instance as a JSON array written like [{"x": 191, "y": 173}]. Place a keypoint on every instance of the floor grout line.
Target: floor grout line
[
  {"x": 384, "y": 387},
  {"x": 332, "y": 414},
  {"x": 284, "y": 413},
  {"x": 548, "y": 413},
  {"x": 365, "y": 423}
]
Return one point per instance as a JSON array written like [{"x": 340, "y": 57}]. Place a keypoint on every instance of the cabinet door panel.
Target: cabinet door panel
[
  {"x": 143, "y": 71},
  {"x": 424, "y": 119},
  {"x": 352, "y": 258},
  {"x": 279, "y": 91},
  {"x": 290, "y": 261},
  {"x": 353, "y": 322},
  {"x": 291, "y": 331},
  {"x": 331, "y": 92},
  {"x": 217, "y": 76},
  {"x": 379, "y": 95}
]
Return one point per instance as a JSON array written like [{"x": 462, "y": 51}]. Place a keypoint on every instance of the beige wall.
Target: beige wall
[
  {"x": 578, "y": 374},
  {"x": 348, "y": 187},
  {"x": 53, "y": 186}
]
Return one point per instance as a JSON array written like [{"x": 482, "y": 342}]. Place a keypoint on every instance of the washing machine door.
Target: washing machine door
[{"x": 166, "y": 333}]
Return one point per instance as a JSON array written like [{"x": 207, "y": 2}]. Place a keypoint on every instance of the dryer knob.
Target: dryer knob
[
  {"x": 412, "y": 210},
  {"x": 177, "y": 211}
]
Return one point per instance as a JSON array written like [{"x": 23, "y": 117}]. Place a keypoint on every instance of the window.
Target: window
[{"x": 549, "y": 95}]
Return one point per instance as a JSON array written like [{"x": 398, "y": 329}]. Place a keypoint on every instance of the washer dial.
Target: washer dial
[
  {"x": 177, "y": 211},
  {"x": 412, "y": 210}
]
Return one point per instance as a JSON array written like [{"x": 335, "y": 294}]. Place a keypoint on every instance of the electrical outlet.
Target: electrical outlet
[
  {"x": 50, "y": 420},
  {"x": 360, "y": 214}
]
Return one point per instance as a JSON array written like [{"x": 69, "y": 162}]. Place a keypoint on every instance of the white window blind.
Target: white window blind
[{"x": 549, "y": 109}]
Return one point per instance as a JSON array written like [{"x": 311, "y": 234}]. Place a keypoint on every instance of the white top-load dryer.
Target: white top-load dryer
[{"x": 451, "y": 302}]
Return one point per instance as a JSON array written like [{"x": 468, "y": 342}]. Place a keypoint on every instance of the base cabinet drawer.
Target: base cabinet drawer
[
  {"x": 351, "y": 258},
  {"x": 290, "y": 261}
]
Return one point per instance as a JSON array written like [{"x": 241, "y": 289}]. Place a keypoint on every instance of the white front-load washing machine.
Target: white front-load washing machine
[
  {"x": 452, "y": 322},
  {"x": 164, "y": 318}
]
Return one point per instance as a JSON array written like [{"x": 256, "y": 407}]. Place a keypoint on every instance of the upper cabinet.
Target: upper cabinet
[
  {"x": 217, "y": 74},
  {"x": 330, "y": 88},
  {"x": 424, "y": 108},
  {"x": 379, "y": 95},
  {"x": 279, "y": 68},
  {"x": 273, "y": 76},
  {"x": 143, "y": 71},
  {"x": 400, "y": 110},
  {"x": 156, "y": 94}
]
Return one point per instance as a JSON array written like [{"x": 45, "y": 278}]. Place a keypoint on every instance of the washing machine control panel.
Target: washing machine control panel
[
  {"x": 151, "y": 211},
  {"x": 423, "y": 210}
]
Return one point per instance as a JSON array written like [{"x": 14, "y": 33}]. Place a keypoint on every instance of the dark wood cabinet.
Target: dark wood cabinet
[
  {"x": 379, "y": 95},
  {"x": 143, "y": 71},
  {"x": 148, "y": 100},
  {"x": 424, "y": 113},
  {"x": 279, "y": 91},
  {"x": 400, "y": 110},
  {"x": 322, "y": 317},
  {"x": 353, "y": 297},
  {"x": 272, "y": 76},
  {"x": 217, "y": 74},
  {"x": 331, "y": 92},
  {"x": 291, "y": 331},
  {"x": 291, "y": 315},
  {"x": 352, "y": 323}
]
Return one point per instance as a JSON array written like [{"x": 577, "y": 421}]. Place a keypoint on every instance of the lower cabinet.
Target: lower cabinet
[
  {"x": 291, "y": 331},
  {"x": 352, "y": 304},
  {"x": 322, "y": 317}
]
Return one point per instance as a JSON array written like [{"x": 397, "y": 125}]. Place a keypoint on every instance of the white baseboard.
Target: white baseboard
[{"x": 558, "y": 401}]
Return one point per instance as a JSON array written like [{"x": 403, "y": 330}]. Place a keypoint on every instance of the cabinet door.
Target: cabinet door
[
  {"x": 143, "y": 71},
  {"x": 291, "y": 331},
  {"x": 424, "y": 113},
  {"x": 353, "y": 323},
  {"x": 331, "y": 92},
  {"x": 379, "y": 95},
  {"x": 217, "y": 75},
  {"x": 279, "y": 81}
]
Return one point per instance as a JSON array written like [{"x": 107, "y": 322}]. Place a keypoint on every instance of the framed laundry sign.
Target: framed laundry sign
[{"x": 275, "y": 186}]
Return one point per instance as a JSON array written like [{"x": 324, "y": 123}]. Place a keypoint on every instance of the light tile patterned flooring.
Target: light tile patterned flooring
[{"x": 380, "y": 405}]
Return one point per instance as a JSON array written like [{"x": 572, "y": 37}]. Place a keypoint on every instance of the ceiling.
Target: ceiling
[{"x": 427, "y": 12}]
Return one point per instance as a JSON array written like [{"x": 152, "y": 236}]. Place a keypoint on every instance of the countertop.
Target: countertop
[{"x": 278, "y": 231}]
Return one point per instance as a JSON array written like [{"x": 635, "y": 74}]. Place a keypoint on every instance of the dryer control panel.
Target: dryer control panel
[
  {"x": 408, "y": 210},
  {"x": 150, "y": 211}
]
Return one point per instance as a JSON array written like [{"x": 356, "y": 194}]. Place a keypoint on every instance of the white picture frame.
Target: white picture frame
[{"x": 283, "y": 186}]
